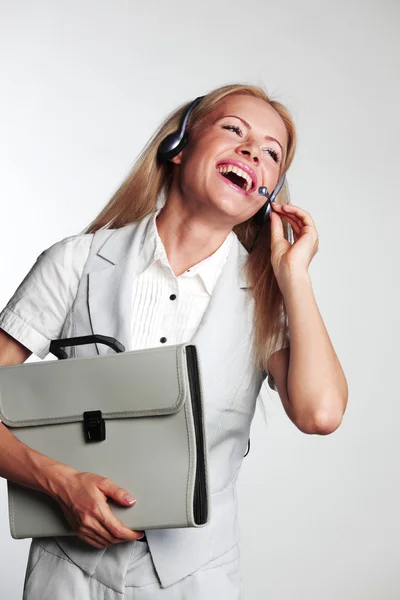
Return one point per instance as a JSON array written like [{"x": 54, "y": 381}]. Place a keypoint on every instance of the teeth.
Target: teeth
[{"x": 233, "y": 169}]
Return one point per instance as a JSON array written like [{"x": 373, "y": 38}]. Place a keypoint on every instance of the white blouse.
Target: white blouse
[{"x": 166, "y": 309}]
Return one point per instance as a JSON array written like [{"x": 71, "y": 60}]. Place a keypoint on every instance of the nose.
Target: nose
[{"x": 250, "y": 151}]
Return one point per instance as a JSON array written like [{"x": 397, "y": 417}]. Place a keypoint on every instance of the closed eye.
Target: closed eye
[
  {"x": 274, "y": 155},
  {"x": 234, "y": 128}
]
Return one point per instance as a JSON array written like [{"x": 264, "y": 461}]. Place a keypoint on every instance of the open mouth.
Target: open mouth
[{"x": 237, "y": 176}]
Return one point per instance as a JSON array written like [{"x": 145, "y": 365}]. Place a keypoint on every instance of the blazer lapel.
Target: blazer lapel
[{"x": 110, "y": 282}]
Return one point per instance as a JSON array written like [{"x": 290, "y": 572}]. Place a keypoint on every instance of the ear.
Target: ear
[{"x": 177, "y": 159}]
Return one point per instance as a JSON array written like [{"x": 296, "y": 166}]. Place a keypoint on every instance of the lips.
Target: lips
[{"x": 244, "y": 167}]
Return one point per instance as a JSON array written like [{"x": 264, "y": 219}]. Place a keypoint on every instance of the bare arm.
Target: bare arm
[
  {"x": 11, "y": 351},
  {"x": 309, "y": 376},
  {"x": 20, "y": 463},
  {"x": 81, "y": 496}
]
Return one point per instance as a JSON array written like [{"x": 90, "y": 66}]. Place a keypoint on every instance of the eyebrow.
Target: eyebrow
[{"x": 267, "y": 137}]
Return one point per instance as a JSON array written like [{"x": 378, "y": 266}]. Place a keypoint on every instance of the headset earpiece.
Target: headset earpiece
[{"x": 176, "y": 141}]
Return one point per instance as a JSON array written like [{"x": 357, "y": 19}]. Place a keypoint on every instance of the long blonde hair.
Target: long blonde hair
[{"x": 137, "y": 197}]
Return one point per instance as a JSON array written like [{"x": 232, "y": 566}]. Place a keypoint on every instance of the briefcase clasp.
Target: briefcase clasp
[{"x": 95, "y": 426}]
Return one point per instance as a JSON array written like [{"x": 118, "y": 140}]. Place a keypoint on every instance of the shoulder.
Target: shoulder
[{"x": 70, "y": 250}]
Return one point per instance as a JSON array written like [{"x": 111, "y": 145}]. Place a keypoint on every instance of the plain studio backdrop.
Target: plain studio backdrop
[{"x": 85, "y": 84}]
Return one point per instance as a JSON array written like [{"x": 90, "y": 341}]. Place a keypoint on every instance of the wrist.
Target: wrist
[
  {"x": 293, "y": 279},
  {"x": 52, "y": 476}
]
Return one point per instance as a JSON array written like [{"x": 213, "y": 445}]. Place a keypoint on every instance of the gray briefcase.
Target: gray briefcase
[{"x": 134, "y": 417}]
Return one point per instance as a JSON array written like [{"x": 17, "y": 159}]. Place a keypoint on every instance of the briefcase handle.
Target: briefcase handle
[{"x": 56, "y": 345}]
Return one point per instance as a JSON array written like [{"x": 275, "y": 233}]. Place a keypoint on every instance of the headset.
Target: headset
[{"x": 176, "y": 141}]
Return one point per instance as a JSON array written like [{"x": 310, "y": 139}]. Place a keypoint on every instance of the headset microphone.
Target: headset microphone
[{"x": 264, "y": 213}]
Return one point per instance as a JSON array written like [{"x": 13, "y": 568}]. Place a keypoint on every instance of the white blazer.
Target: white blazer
[{"x": 230, "y": 381}]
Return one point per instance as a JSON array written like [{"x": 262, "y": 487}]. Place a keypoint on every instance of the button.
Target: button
[
  {"x": 172, "y": 297},
  {"x": 163, "y": 340}
]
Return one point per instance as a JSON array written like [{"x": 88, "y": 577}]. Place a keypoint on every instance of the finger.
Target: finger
[
  {"x": 285, "y": 215},
  {"x": 92, "y": 528},
  {"x": 302, "y": 226},
  {"x": 284, "y": 209},
  {"x": 101, "y": 531},
  {"x": 96, "y": 537},
  {"x": 298, "y": 212},
  {"x": 124, "y": 535},
  {"x": 112, "y": 490},
  {"x": 293, "y": 223},
  {"x": 292, "y": 218},
  {"x": 296, "y": 229},
  {"x": 93, "y": 540},
  {"x": 276, "y": 227},
  {"x": 301, "y": 229},
  {"x": 116, "y": 528}
]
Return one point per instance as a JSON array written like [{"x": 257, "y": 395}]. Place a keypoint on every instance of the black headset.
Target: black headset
[{"x": 176, "y": 141}]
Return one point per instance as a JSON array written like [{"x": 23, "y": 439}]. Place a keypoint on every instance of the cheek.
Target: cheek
[
  {"x": 197, "y": 168},
  {"x": 271, "y": 177},
  {"x": 192, "y": 176}
]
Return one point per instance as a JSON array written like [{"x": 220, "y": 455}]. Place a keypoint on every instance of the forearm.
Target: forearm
[
  {"x": 316, "y": 384},
  {"x": 21, "y": 464}
]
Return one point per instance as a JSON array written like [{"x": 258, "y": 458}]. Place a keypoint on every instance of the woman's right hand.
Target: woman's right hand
[{"x": 83, "y": 500}]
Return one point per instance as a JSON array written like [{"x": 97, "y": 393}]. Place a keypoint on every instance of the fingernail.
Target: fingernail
[{"x": 130, "y": 499}]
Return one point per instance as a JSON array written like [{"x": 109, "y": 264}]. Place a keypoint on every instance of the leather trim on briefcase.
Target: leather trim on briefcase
[{"x": 135, "y": 417}]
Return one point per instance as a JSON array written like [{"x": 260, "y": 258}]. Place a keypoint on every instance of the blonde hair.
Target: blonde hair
[{"x": 138, "y": 194}]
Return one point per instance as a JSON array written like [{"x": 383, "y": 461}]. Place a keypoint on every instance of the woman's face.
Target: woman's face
[{"x": 236, "y": 149}]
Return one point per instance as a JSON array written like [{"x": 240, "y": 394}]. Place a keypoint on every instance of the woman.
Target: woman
[{"x": 178, "y": 255}]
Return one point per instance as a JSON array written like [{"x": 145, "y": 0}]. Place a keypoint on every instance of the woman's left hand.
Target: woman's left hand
[{"x": 288, "y": 258}]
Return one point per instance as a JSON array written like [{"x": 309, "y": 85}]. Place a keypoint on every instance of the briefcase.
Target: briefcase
[{"x": 135, "y": 417}]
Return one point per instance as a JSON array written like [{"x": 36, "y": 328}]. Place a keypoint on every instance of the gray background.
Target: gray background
[{"x": 84, "y": 84}]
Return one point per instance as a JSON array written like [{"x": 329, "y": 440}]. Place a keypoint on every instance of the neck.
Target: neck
[{"x": 189, "y": 231}]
